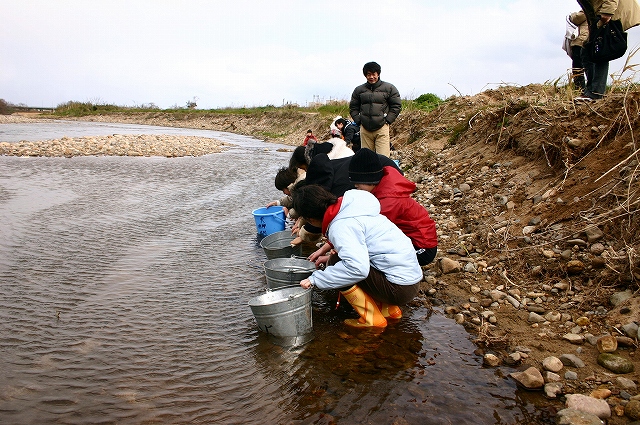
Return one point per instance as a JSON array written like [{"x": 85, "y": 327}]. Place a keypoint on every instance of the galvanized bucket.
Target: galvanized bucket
[
  {"x": 287, "y": 272},
  {"x": 278, "y": 245},
  {"x": 284, "y": 313}
]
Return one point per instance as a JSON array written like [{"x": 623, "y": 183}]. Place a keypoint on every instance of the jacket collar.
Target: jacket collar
[{"x": 330, "y": 214}]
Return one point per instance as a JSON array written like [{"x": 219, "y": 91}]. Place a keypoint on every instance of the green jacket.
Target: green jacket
[{"x": 373, "y": 106}]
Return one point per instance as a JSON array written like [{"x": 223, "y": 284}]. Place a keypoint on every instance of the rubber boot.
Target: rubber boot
[
  {"x": 365, "y": 306},
  {"x": 390, "y": 311}
]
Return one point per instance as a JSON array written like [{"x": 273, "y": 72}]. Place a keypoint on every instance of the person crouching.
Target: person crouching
[{"x": 374, "y": 265}]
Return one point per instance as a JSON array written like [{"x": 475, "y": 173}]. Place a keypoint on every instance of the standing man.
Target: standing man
[
  {"x": 374, "y": 106},
  {"x": 600, "y": 12}
]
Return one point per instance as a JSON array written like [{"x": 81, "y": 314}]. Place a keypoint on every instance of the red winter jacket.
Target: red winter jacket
[{"x": 394, "y": 193}]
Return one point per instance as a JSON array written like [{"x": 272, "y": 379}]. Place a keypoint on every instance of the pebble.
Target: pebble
[
  {"x": 530, "y": 378},
  {"x": 570, "y": 375},
  {"x": 491, "y": 360},
  {"x": 535, "y": 318},
  {"x": 631, "y": 330},
  {"x": 601, "y": 393},
  {"x": 615, "y": 363},
  {"x": 607, "y": 344},
  {"x": 552, "y": 364},
  {"x": 587, "y": 404},
  {"x": 573, "y": 338},
  {"x": 571, "y": 360},
  {"x": 625, "y": 383},
  {"x": 594, "y": 234},
  {"x": 577, "y": 417},
  {"x": 552, "y": 389},
  {"x": 551, "y": 377},
  {"x": 632, "y": 409}
]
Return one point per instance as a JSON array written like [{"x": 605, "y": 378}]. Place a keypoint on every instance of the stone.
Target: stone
[
  {"x": 607, "y": 344},
  {"x": 470, "y": 268},
  {"x": 535, "y": 318},
  {"x": 553, "y": 316},
  {"x": 552, "y": 389},
  {"x": 587, "y": 404},
  {"x": 596, "y": 249},
  {"x": 551, "y": 377},
  {"x": 601, "y": 393},
  {"x": 626, "y": 383},
  {"x": 514, "y": 302},
  {"x": 571, "y": 360},
  {"x": 448, "y": 265},
  {"x": 625, "y": 341},
  {"x": 573, "y": 338},
  {"x": 620, "y": 297},
  {"x": 530, "y": 378},
  {"x": 552, "y": 364},
  {"x": 576, "y": 417},
  {"x": 575, "y": 267},
  {"x": 615, "y": 364},
  {"x": 583, "y": 321},
  {"x": 631, "y": 330},
  {"x": 491, "y": 360},
  {"x": 570, "y": 375},
  {"x": 527, "y": 230},
  {"x": 632, "y": 409},
  {"x": 598, "y": 262},
  {"x": 497, "y": 295},
  {"x": 594, "y": 233}
]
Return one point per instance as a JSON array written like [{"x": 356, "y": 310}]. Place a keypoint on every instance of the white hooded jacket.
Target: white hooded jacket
[{"x": 364, "y": 238}]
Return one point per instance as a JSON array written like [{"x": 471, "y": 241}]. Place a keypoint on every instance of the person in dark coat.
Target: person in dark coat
[
  {"x": 350, "y": 132},
  {"x": 374, "y": 106}
]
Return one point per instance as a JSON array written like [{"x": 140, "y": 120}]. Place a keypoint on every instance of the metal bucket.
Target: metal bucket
[
  {"x": 287, "y": 272},
  {"x": 284, "y": 313},
  {"x": 278, "y": 245}
]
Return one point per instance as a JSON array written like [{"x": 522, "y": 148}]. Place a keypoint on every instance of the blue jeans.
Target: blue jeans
[{"x": 597, "y": 74}]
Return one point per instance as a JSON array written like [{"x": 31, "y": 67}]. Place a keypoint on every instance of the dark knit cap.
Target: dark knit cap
[{"x": 365, "y": 167}]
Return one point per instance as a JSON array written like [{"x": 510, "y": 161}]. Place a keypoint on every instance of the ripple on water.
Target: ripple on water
[{"x": 125, "y": 284}]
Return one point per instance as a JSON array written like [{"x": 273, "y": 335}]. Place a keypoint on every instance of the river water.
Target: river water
[{"x": 124, "y": 289}]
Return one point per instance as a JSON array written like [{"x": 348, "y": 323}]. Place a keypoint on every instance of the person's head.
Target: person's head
[
  {"x": 309, "y": 132},
  {"x": 298, "y": 160},
  {"x": 284, "y": 178},
  {"x": 365, "y": 169},
  {"x": 311, "y": 202},
  {"x": 371, "y": 71},
  {"x": 340, "y": 123}
]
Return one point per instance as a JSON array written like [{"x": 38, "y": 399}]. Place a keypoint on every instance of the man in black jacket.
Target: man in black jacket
[{"x": 374, "y": 105}]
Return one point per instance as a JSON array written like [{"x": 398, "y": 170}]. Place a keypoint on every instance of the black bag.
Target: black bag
[{"x": 608, "y": 43}]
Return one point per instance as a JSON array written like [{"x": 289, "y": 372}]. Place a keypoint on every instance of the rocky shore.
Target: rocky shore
[{"x": 536, "y": 203}]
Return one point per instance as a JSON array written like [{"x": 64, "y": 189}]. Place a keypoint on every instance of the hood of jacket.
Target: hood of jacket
[
  {"x": 356, "y": 203},
  {"x": 393, "y": 185},
  {"x": 340, "y": 149}
]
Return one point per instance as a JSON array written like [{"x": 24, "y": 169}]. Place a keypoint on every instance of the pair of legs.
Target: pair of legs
[
  {"x": 375, "y": 298},
  {"x": 378, "y": 141},
  {"x": 597, "y": 74}
]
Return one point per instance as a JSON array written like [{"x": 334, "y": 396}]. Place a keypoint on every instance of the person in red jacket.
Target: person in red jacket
[{"x": 394, "y": 191}]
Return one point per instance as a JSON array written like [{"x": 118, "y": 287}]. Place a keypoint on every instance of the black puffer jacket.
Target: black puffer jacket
[{"x": 373, "y": 106}]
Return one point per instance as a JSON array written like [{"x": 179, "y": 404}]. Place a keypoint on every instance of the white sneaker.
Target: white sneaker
[{"x": 584, "y": 99}]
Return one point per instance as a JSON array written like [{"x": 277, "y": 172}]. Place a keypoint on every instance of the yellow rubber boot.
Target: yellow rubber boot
[
  {"x": 365, "y": 306},
  {"x": 390, "y": 311}
]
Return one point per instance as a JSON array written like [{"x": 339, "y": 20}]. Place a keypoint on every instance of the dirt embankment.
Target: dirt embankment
[{"x": 536, "y": 200}]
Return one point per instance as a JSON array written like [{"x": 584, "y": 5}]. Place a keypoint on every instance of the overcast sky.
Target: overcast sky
[{"x": 254, "y": 53}]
